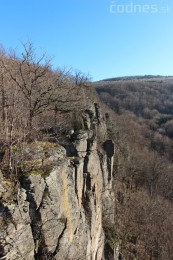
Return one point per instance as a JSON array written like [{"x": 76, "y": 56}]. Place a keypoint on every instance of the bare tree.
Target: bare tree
[
  {"x": 3, "y": 91},
  {"x": 32, "y": 76},
  {"x": 80, "y": 79}
]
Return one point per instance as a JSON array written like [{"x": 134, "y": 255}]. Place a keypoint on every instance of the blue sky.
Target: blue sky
[{"x": 100, "y": 37}]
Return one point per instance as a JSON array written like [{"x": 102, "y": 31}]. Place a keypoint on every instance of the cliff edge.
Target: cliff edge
[{"x": 57, "y": 213}]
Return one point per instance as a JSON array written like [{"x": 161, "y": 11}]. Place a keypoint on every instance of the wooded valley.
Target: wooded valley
[{"x": 141, "y": 122}]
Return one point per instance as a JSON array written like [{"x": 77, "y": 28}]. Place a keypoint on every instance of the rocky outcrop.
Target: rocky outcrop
[{"x": 58, "y": 215}]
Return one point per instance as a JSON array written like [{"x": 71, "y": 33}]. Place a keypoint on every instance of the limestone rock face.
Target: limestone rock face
[
  {"x": 59, "y": 215},
  {"x": 16, "y": 240}
]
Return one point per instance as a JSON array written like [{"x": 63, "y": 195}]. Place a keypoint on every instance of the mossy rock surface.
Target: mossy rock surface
[
  {"x": 38, "y": 149},
  {"x": 38, "y": 157},
  {"x": 44, "y": 171}
]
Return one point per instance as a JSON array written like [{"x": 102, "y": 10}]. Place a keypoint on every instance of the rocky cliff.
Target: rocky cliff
[{"x": 57, "y": 213}]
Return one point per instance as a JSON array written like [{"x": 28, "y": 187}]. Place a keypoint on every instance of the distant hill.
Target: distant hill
[{"x": 145, "y": 77}]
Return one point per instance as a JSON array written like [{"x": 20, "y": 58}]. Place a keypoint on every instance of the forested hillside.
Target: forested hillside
[
  {"x": 140, "y": 116},
  {"x": 149, "y": 101}
]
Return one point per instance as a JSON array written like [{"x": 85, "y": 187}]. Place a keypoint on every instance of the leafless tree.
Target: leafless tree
[{"x": 31, "y": 74}]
